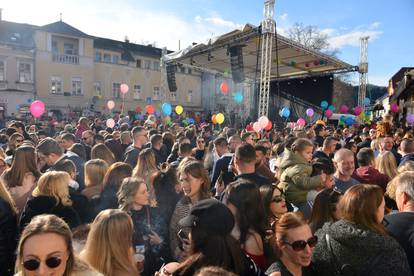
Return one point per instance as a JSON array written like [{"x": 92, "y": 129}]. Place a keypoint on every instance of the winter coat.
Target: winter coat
[
  {"x": 8, "y": 238},
  {"x": 362, "y": 249},
  {"x": 40, "y": 205},
  {"x": 296, "y": 180}
]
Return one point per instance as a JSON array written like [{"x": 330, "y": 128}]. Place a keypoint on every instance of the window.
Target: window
[
  {"x": 190, "y": 96},
  {"x": 148, "y": 64},
  {"x": 116, "y": 90},
  {"x": 2, "y": 71},
  {"x": 55, "y": 48},
  {"x": 138, "y": 63},
  {"x": 107, "y": 58},
  {"x": 182, "y": 70},
  {"x": 189, "y": 71},
  {"x": 56, "y": 85},
  {"x": 98, "y": 89},
  {"x": 156, "y": 95},
  {"x": 173, "y": 96},
  {"x": 25, "y": 72},
  {"x": 98, "y": 56},
  {"x": 115, "y": 59},
  {"x": 77, "y": 86},
  {"x": 156, "y": 65},
  {"x": 137, "y": 92},
  {"x": 68, "y": 49}
]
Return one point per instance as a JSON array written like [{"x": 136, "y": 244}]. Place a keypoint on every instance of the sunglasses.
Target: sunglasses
[
  {"x": 278, "y": 199},
  {"x": 301, "y": 244},
  {"x": 34, "y": 264}
]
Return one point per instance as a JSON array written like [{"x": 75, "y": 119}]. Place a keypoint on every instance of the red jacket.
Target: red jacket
[{"x": 370, "y": 175}]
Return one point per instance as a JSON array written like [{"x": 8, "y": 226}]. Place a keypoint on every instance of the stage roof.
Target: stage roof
[{"x": 295, "y": 60}]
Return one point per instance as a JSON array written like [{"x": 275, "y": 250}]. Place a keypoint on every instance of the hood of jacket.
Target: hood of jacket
[{"x": 290, "y": 159}]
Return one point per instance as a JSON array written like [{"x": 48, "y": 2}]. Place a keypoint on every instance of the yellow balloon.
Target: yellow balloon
[
  {"x": 179, "y": 109},
  {"x": 220, "y": 118}
]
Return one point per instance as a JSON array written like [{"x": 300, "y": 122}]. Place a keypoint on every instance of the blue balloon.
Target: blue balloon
[
  {"x": 324, "y": 104},
  {"x": 349, "y": 121},
  {"x": 238, "y": 97},
  {"x": 157, "y": 114},
  {"x": 342, "y": 118},
  {"x": 285, "y": 112},
  {"x": 190, "y": 121},
  {"x": 29, "y": 100},
  {"x": 166, "y": 109},
  {"x": 367, "y": 101},
  {"x": 331, "y": 107}
]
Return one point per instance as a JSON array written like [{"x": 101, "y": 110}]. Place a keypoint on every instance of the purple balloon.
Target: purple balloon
[
  {"x": 310, "y": 112},
  {"x": 410, "y": 118}
]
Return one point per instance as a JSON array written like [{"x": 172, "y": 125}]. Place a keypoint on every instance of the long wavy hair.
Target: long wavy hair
[
  {"x": 108, "y": 247},
  {"x": 146, "y": 164},
  {"x": 127, "y": 191},
  {"x": 95, "y": 170},
  {"x": 359, "y": 205},
  {"x": 115, "y": 174},
  {"x": 101, "y": 151},
  {"x": 387, "y": 164},
  {"x": 5, "y": 195},
  {"x": 24, "y": 161},
  {"x": 46, "y": 224},
  {"x": 54, "y": 184},
  {"x": 250, "y": 215}
]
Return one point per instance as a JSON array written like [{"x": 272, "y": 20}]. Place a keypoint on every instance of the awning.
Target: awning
[{"x": 294, "y": 59}]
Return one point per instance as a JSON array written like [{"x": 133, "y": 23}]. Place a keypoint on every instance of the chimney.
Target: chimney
[
  {"x": 126, "y": 39},
  {"x": 0, "y": 14}
]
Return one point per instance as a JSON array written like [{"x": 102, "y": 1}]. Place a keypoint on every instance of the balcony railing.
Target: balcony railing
[{"x": 67, "y": 59}]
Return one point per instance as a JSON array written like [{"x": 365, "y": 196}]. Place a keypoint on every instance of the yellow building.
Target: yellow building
[{"x": 74, "y": 71}]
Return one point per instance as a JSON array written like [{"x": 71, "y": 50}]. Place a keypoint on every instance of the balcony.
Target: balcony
[{"x": 66, "y": 59}]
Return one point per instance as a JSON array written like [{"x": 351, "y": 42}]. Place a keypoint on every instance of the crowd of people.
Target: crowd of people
[{"x": 144, "y": 198}]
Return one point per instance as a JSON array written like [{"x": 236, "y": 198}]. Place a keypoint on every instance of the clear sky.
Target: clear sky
[{"x": 389, "y": 23}]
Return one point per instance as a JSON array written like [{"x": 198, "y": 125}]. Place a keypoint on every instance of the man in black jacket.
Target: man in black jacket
[
  {"x": 139, "y": 136},
  {"x": 401, "y": 225}
]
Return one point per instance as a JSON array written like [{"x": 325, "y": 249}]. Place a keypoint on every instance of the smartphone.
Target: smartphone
[{"x": 182, "y": 235}]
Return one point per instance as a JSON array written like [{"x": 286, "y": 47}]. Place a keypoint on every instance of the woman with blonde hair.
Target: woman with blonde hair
[
  {"x": 22, "y": 176},
  {"x": 8, "y": 231},
  {"x": 108, "y": 247},
  {"x": 95, "y": 170},
  {"x": 101, "y": 151},
  {"x": 387, "y": 164},
  {"x": 146, "y": 169},
  {"x": 45, "y": 248},
  {"x": 51, "y": 196},
  {"x": 149, "y": 227},
  {"x": 359, "y": 239},
  {"x": 195, "y": 185}
]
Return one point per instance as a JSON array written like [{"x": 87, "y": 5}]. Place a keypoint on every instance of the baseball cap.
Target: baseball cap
[{"x": 210, "y": 215}]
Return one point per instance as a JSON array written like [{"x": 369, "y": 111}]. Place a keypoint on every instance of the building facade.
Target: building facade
[{"x": 71, "y": 71}]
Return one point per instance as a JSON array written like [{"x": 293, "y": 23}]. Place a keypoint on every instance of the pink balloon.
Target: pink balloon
[
  {"x": 394, "y": 108},
  {"x": 328, "y": 113},
  {"x": 37, "y": 108},
  {"x": 110, "y": 104},
  {"x": 110, "y": 123},
  {"x": 343, "y": 109},
  {"x": 357, "y": 110},
  {"x": 124, "y": 88},
  {"x": 263, "y": 121},
  {"x": 257, "y": 127},
  {"x": 301, "y": 122}
]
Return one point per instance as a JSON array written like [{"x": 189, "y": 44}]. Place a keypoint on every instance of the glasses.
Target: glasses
[
  {"x": 278, "y": 199},
  {"x": 301, "y": 244},
  {"x": 34, "y": 264}
]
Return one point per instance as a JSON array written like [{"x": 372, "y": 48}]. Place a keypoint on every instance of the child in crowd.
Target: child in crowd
[{"x": 296, "y": 174}]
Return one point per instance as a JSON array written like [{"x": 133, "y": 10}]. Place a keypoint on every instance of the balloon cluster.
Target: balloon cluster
[
  {"x": 218, "y": 118},
  {"x": 262, "y": 123}
]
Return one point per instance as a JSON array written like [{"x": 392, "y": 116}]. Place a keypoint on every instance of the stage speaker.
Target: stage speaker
[
  {"x": 172, "y": 85},
  {"x": 236, "y": 61}
]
